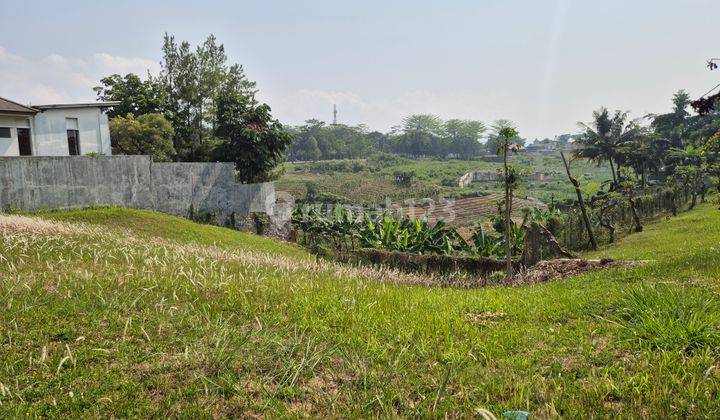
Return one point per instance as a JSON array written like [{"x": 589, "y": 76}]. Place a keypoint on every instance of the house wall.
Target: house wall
[
  {"x": 50, "y": 131},
  {"x": 9, "y": 147},
  {"x": 197, "y": 190}
]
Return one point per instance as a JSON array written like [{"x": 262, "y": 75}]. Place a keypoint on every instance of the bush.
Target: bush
[
  {"x": 554, "y": 225},
  {"x": 449, "y": 182},
  {"x": 671, "y": 317}
]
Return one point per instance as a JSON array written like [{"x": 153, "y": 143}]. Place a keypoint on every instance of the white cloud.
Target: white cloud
[{"x": 57, "y": 78}]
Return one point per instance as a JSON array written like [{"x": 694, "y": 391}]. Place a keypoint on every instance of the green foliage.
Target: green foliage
[
  {"x": 149, "y": 134},
  {"x": 503, "y": 133},
  {"x": 252, "y": 138},
  {"x": 347, "y": 230},
  {"x": 420, "y": 135},
  {"x": 194, "y": 80},
  {"x": 212, "y": 109},
  {"x": 136, "y": 96},
  {"x": 487, "y": 245},
  {"x": 671, "y": 317}
]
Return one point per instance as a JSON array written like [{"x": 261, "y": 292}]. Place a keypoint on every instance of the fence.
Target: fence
[{"x": 649, "y": 205}]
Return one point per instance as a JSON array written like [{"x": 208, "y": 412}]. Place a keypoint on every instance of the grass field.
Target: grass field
[{"x": 121, "y": 313}]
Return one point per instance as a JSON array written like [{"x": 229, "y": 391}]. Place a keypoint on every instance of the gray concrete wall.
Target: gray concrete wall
[{"x": 198, "y": 190}]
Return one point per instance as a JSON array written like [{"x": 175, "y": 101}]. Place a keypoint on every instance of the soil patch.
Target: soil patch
[{"x": 567, "y": 267}]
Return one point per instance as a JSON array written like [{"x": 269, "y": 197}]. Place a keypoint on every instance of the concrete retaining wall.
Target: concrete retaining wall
[{"x": 197, "y": 190}]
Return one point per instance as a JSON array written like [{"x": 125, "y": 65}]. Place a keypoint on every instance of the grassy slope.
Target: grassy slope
[
  {"x": 135, "y": 330},
  {"x": 149, "y": 224}
]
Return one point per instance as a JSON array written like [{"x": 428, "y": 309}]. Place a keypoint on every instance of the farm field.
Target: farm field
[
  {"x": 122, "y": 313},
  {"x": 372, "y": 182},
  {"x": 463, "y": 212}
]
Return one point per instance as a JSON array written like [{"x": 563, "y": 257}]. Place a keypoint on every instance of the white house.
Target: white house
[{"x": 54, "y": 130}]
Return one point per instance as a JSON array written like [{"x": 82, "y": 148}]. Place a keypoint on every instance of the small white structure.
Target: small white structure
[{"x": 54, "y": 130}]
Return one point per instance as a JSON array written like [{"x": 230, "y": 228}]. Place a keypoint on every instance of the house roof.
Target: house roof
[
  {"x": 12, "y": 107},
  {"x": 106, "y": 104}
]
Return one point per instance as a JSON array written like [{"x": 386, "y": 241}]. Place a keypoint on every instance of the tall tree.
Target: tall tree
[
  {"x": 464, "y": 137},
  {"x": 604, "y": 137},
  {"x": 250, "y": 136},
  {"x": 136, "y": 96},
  {"x": 423, "y": 123},
  {"x": 494, "y": 138},
  {"x": 193, "y": 80},
  {"x": 581, "y": 202}
]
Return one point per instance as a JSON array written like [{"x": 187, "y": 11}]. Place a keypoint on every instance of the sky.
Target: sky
[{"x": 544, "y": 64}]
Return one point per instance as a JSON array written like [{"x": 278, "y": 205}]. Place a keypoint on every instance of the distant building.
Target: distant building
[
  {"x": 54, "y": 130},
  {"x": 562, "y": 142},
  {"x": 542, "y": 146}
]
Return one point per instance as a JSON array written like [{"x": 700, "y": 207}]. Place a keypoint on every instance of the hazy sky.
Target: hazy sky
[{"x": 544, "y": 64}]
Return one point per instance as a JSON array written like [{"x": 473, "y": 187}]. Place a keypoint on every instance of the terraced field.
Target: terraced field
[{"x": 466, "y": 211}]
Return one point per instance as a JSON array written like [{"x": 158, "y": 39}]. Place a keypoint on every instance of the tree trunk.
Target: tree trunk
[
  {"x": 612, "y": 168},
  {"x": 693, "y": 201},
  {"x": 508, "y": 211},
  {"x": 636, "y": 218},
  {"x": 674, "y": 202},
  {"x": 642, "y": 176},
  {"x": 606, "y": 222},
  {"x": 581, "y": 202}
]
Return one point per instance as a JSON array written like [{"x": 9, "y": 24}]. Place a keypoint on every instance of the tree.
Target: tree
[
  {"x": 627, "y": 185},
  {"x": 463, "y": 137},
  {"x": 305, "y": 148},
  {"x": 690, "y": 171},
  {"x": 581, "y": 202},
  {"x": 193, "y": 81},
  {"x": 423, "y": 123},
  {"x": 604, "y": 136},
  {"x": 136, "y": 96},
  {"x": 671, "y": 129},
  {"x": 505, "y": 146},
  {"x": 494, "y": 141},
  {"x": 711, "y": 148},
  {"x": 250, "y": 136},
  {"x": 149, "y": 134}
]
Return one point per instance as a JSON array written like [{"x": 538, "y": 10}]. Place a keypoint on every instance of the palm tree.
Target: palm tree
[{"x": 604, "y": 138}]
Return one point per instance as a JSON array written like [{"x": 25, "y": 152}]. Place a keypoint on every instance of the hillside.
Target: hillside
[{"x": 121, "y": 313}]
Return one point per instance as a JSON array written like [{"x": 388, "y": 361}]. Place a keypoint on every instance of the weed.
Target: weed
[{"x": 670, "y": 317}]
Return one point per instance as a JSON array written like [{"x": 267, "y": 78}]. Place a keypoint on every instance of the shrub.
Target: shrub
[
  {"x": 449, "y": 182},
  {"x": 554, "y": 225},
  {"x": 670, "y": 317}
]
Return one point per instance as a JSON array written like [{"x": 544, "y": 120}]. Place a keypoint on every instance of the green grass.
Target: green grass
[
  {"x": 149, "y": 224},
  {"x": 671, "y": 317},
  {"x": 110, "y": 321}
]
